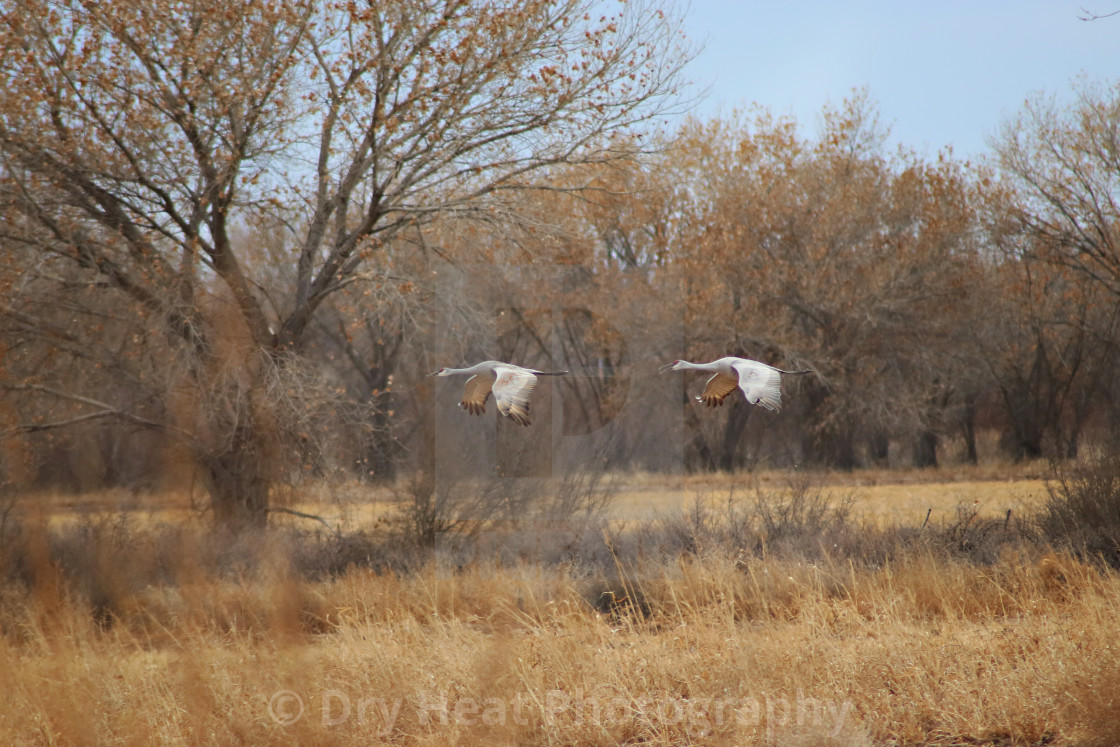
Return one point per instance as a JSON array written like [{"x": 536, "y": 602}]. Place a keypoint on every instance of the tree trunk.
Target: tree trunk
[
  {"x": 733, "y": 433},
  {"x": 704, "y": 458},
  {"x": 383, "y": 447},
  {"x": 1027, "y": 434},
  {"x": 925, "y": 450},
  {"x": 879, "y": 447},
  {"x": 1082, "y": 401},
  {"x": 968, "y": 429},
  {"x": 239, "y": 438},
  {"x": 832, "y": 446},
  {"x": 238, "y": 479},
  {"x": 1021, "y": 443},
  {"x": 844, "y": 453},
  {"x": 830, "y": 443}
]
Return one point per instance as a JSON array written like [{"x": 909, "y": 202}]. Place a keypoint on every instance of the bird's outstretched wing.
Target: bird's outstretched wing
[
  {"x": 476, "y": 392},
  {"x": 512, "y": 389},
  {"x": 719, "y": 386},
  {"x": 761, "y": 383}
]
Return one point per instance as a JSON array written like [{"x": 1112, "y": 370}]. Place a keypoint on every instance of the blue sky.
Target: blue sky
[{"x": 944, "y": 72}]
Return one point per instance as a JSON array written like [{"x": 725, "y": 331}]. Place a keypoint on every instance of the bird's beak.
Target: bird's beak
[
  {"x": 665, "y": 368},
  {"x": 433, "y": 373}
]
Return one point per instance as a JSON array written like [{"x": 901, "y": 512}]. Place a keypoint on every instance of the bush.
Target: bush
[
  {"x": 429, "y": 511},
  {"x": 975, "y": 538},
  {"x": 1082, "y": 513},
  {"x": 804, "y": 519}
]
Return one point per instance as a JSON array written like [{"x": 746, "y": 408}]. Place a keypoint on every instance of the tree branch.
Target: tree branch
[{"x": 104, "y": 411}]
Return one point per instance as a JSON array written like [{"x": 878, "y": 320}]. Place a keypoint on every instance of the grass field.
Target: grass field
[
  {"x": 135, "y": 627},
  {"x": 887, "y": 496}
]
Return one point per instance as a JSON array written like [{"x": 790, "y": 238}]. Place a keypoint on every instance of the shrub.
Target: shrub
[
  {"x": 429, "y": 511},
  {"x": 804, "y": 519},
  {"x": 976, "y": 538},
  {"x": 1082, "y": 513}
]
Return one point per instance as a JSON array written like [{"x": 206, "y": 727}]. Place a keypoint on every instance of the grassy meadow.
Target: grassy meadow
[{"x": 880, "y": 609}]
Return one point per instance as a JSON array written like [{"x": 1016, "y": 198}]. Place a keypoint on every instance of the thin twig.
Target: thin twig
[{"x": 301, "y": 514}]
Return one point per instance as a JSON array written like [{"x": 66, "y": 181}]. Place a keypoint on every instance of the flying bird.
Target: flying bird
[
  {"x": 762, "y": 384},
  {"x": 512, "y": 386}
]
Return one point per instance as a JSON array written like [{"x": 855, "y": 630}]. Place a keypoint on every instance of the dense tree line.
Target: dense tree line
[{"x": 234, "y": 243}]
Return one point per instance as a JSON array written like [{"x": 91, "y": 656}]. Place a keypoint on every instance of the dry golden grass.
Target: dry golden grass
[
  {"x": 887, "y": 504},
  {"x": 719, "y": 648},
  {"x": 887, "y": 496}
]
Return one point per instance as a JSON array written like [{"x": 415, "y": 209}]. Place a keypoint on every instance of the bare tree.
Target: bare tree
[
  {"x": 1065, "y": 164},
  {"x": 136, "y": 138},
  {"x": 1058, "y": 228}
]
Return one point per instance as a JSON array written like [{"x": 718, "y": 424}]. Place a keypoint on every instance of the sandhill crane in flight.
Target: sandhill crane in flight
[
  {"x": 762, "y": 384},
  {"x": 512, "y": 386}
]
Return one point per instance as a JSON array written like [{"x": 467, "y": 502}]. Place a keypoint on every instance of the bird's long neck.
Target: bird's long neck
[
  {"x": 476, "y": 368},
  {"x": 698, "y": 366}
]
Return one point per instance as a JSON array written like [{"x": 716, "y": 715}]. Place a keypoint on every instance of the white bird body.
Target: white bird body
[
  {"x": 511, "y": 386},
  {"x": 759, "y": 382}
]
